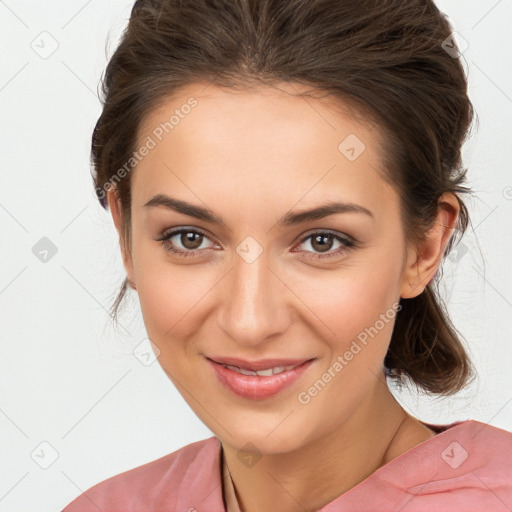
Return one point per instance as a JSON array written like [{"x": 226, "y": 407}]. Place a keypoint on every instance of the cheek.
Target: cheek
[
  {"x": 361, "y": 311},
  {"x": 357, "y": 307},
  {"x": 176, "y": 301},
  {"x": 167, "y": 294},
  {"x": 352, "y": 299}
]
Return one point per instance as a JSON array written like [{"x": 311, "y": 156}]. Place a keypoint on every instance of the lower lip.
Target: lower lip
[{"x": 255, "y": 387}]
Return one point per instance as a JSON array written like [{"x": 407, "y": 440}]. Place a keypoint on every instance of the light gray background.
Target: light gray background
[{"x": 67, "y": 378}]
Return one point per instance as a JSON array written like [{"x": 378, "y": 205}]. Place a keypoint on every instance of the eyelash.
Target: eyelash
[{"x": 348, "y": 243}]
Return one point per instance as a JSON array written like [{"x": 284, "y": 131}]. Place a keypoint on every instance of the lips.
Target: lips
[{"x": 270, "y": 378}]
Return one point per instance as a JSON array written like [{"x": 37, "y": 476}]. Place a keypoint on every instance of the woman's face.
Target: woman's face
[{"x": 258, "y": 285}]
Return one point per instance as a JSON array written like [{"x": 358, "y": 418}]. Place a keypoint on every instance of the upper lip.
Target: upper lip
[{"x": 261, "y": 364}]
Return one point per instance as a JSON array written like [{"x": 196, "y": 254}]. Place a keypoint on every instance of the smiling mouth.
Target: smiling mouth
[{"x": 264, "y": 382}]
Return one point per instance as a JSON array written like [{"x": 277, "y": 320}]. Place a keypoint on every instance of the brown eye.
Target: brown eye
[
  {"x": 184, "y": 242},
  {"x": 322, "y": 244},
  {"x": 191, "y": 240}
]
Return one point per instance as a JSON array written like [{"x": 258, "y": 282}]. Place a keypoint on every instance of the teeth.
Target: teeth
[
  {"x": 240, "y": 370},
  {"x": 261, "y": 373},
  {"x": 265, "y": 373}
]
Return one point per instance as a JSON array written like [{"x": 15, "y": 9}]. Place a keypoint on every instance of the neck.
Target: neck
[{"x": 316, "y": 473}]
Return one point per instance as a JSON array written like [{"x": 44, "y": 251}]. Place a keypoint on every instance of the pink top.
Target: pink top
[{"x": 466, "y": 466}]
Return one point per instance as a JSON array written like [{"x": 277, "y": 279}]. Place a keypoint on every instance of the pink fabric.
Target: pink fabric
[{"x": 466, "y": 467}]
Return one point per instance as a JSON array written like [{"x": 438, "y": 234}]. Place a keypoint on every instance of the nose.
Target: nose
[{"x": 255, "y": 303}]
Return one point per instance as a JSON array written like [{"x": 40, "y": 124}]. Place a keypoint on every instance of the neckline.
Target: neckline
[{"x": 439, "y": 429}]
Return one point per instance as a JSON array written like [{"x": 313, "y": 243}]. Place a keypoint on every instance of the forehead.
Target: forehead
[{"x": 265, "y": 141}]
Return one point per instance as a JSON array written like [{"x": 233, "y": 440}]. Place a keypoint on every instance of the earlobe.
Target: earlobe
[
  {"x": 114, "y": 204},
  {"x": 424, "y": 259},
  {"x": 411, "y": 280}
]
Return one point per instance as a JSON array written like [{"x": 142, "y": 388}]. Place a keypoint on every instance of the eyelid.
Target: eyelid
[
  {"x": 184, "y": 229},
  {"x": 334, "y": 233}
]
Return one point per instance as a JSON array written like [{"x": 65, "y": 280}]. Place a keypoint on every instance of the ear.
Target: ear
[
  {"x": 114, "y": 204},
  {"x": 424, "y": 259}
]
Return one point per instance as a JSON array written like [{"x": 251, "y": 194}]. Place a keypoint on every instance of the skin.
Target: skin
[{"x": 251, "y": 157}]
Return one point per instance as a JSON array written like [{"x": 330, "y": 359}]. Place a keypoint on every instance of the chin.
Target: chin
[{"x": 264, "y": 440}]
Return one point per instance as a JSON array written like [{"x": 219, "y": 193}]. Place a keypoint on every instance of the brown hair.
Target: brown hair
[{"x": 386, "y": 58}]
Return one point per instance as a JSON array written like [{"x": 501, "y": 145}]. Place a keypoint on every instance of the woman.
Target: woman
[{"x": 285, "y": 179}]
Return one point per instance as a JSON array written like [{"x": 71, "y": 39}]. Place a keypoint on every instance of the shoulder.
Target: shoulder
[
  {"x": 487, "y": 453},
  {"x": 465, "y": 466},
  {"x": 156, "y": 483},
  {"x": 476, "y": 446}
]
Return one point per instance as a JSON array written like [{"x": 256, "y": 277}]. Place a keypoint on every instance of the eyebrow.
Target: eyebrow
[{"x": 290, "y": 219}]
